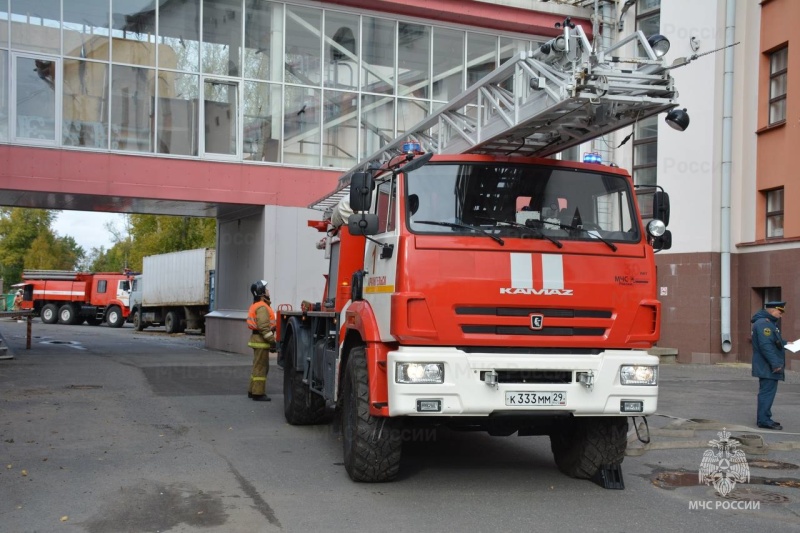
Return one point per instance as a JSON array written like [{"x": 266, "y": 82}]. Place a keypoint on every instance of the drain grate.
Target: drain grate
[{"x": 747, "y": 494}]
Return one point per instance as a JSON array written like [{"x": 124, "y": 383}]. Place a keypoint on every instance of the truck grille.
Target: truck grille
[
  {"x": 532, "y": 376},
  {"x": 505, "y": 321}
]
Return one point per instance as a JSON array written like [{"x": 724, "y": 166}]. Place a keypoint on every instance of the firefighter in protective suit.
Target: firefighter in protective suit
[{"x": 261, "y": 321}]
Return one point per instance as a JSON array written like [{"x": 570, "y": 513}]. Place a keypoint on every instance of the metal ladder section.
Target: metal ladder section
[{"x": 539, "y": 103}]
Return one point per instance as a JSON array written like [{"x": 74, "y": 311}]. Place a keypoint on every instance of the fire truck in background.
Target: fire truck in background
[
  {"x": 475, "y": 284},
  {"x": 70, "y": 297}
]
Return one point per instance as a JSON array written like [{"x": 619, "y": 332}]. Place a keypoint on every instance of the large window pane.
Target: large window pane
[
  {"x": 86, "y": 33},
  {"x": 133, "y": 34},
  {"x": 132, "y": 93},
  {"x": 413, "y": 63},
  {"x": 340, "y": 129},
  {"x": 178, "y": 95},
  {"x": 35, "y": 83},
  {"x": 377, "y": 123},
  {"x": 481, "y": 56},
  {"x": 263, "y": 41},
  {"x": 341, "y": 50},
  {"x": 221, "y": 111},
  {"x": 409, "y": 113},
  {"x": 85, "y": 104},
  {"x": 303, "y": 45},
  {"x": 35, "y": 25},
  {"x": 262, "y": 121},
  {"x": 377, "y": 57},
  {"x": 301, "y": 131},
  {"x": 4, "y": 104},
  {"x": 179, "y": 36},
  {"x": 222, "y": 37},
  {"x": 4, "y": 97},
  {"x": 448, "y": 63},
  {"x": 4, "y": 22}
]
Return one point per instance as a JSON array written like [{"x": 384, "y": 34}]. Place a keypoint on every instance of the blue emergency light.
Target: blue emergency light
[
  {"x": 592, "y": 157},
  {"x": 412, "y": 147}
]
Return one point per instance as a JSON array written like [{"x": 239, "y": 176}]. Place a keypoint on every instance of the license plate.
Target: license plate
[{"x": 544, "y": 399}]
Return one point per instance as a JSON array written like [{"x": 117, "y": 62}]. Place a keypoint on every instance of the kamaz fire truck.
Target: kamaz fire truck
[
  {"x": 476, "y": 284},
  {"x": 69, "y": 297}
]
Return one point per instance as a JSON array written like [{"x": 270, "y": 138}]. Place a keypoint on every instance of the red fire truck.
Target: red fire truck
[
  {"x": 75, "y": 297},
  {"x": 477, "y": 284}
]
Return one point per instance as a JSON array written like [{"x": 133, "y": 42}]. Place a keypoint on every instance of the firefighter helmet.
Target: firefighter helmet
[{"x": 258, "y": 288}]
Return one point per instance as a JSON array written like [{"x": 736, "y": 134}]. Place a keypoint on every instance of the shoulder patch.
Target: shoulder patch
[{"x": 767, "y": 332}]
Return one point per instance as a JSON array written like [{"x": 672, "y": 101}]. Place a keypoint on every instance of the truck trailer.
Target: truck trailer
[
  {"x": 174, "y": 290},
  {"x": 475, "y": 283},
  {"x": 69, "y": 297}
]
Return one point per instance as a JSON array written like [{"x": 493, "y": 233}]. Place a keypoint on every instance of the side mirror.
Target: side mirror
[
  {"x": 361, "y": 186},
  {"x": 661, "y": 207},
  {"x": 364, "y": 224}
]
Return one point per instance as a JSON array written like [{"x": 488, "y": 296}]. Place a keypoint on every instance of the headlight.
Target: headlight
[
  {"x": 638, "y": 375},
  {"x": 419, "y": 373}
]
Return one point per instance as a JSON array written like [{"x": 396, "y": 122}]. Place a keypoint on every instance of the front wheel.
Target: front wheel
[
  {"x": 114, "y": 317},
  {"x": 138, "y": 324},
  {"x": 582, "y": 446},
  {"x": 372, "y": 445}
]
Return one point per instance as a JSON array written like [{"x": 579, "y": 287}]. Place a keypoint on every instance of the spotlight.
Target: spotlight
[
  {"x": 659, "y": 44},
  {"x": 678, "y": 119}
]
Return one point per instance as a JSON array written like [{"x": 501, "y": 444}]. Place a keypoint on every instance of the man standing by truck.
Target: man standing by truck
[
  {"x": 768, "y": 360},
  {"x": 261, "y": 321}
]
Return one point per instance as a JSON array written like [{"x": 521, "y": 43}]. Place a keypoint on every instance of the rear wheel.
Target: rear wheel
[
  {"x": 67, "y": 314},
  {"x": 172, "y": 322},
  {"x": 583, "y": 445},
  {"x": 372, "y": 445},
  {"x": 114, "y": 317},
  {"x": 50, "y": 314},
  {"x": 300, "y": 405}
]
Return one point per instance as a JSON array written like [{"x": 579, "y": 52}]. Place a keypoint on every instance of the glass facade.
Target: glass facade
[{"x": 241, "y": 80}]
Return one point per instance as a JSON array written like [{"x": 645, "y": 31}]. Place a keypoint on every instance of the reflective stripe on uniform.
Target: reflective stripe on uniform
[
  {"x": 254, "y": 378},
  {"x": 259, "y": 344}
]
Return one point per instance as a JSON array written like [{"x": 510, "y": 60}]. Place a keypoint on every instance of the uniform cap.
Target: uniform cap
[{"x": 780, "y": 306}]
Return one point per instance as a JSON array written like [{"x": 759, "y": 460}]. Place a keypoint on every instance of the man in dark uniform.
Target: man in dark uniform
[
  {"x": 261, "y": 323},
  {"x": 768, "y": 360}
]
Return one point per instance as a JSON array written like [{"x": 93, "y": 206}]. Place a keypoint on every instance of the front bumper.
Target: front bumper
[{"x": 464, "y": 393}]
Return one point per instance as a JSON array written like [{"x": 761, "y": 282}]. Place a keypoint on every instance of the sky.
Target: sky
[{"x": 87, "y": 228}]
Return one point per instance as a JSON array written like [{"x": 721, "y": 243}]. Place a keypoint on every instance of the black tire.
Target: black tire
[
  {"x": 50, "y": 314},
  {"x": 93, "y": 321},
  {"x": 138, "y": 324},
  {"x": 114, "y": 317},
  {"x": 172, "y": 322},
  {"x": 372, "y": 445},
  {"x": 67, "y": 314},
  {"x": 301, "y": 407},
  {"x": 583, "y": 445}
]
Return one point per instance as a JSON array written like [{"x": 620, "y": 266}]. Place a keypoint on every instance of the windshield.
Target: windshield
[{"x": 510, "y": 200}]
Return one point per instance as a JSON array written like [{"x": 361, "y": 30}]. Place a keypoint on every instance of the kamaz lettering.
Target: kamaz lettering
[{"x": 537, "y": 292}]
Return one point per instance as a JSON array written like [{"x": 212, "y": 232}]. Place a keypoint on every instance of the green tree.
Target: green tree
[{"x": 27, "y": 241}]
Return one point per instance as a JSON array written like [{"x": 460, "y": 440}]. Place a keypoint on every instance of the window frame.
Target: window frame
[
  {"x": 772, "y": 76},
  {"x": 774, "y": 214}
]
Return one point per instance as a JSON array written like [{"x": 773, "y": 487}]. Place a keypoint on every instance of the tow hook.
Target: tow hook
[
  {"x": 586, "y": 379},
  {"x": 490, "y": 378}
]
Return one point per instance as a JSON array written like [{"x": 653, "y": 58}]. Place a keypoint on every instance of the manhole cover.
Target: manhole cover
[
  {"x": 746, "y": 494},
  {"x": 772, "y": 465},
  {"x": 84, "y": 387}
]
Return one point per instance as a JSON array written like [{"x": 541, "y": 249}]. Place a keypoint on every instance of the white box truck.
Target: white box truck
[{"x": 175, "y": 290}]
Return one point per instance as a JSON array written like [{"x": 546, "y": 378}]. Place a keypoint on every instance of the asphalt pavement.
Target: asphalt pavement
[{"x": 113, "y": 430}]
